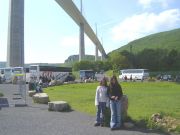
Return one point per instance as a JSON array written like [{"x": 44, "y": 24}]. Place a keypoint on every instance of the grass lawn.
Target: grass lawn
[
  {"x": 144, "y": 98},
  {"x": 153, "y": 97},
  {"x": 79, "y": 96}
]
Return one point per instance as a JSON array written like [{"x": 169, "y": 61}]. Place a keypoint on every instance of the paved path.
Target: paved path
[{"x": 35, "y": 119}]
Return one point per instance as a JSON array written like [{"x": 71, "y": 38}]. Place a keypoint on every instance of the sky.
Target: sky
[{"x": 51, "y": 36}]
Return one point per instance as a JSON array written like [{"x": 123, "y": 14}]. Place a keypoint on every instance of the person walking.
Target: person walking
[
  {"x": 101, "y": 101},
  {"x": 115, "y": 94}
]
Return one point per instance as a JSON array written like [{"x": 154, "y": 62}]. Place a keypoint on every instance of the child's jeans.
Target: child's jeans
[{"x": 100, "y": 112}]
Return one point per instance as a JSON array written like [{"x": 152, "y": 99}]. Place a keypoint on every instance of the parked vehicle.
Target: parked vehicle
[
  {"x": 166, "y": 77},
  {"x": 177, "y": 79},
  {"x": 99, "y": 75},
  {"x": 86, "y": 74},
  {"x": 46, "y": 73},
  {"x": 8, "y": 74},
  {"x": 134, "y": 74}
]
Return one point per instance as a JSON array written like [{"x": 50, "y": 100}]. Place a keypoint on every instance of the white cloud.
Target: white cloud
[
  {"x": 149, "y": 3},
  {"x": 143, "y": 24},
  {"x": 145, "y": 3}
]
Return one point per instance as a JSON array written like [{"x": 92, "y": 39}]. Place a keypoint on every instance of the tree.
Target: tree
[
  {"x": 171, "y": 60},
  {"x": 82, "y": 65},
  {"x": 130, "y": 57},
  {"x": 94, "y": 65},
  {"x": 118, "y": 61}
]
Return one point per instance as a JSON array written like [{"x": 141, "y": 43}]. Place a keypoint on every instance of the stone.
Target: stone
[
  {"x": 60, "y": 106},
  {"x": 124, "y": 106},
  {"x": 31, "y": 92},
  {"x": 41, "y": 98},
  {"x": 156, "y": 117}
]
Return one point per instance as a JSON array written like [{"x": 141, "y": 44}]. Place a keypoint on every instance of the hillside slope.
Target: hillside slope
[{"x": 164, "y": 40}]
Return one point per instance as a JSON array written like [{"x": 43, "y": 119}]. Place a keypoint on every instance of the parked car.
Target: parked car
[
  {"x": 166, "y": 77},
  {"x": 177, "y": 79},
  {"x": 159, "y": 77}
]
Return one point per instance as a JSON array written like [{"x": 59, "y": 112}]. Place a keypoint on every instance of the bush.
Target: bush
[
  {"x": 1, "y": 95},
  {"x": 151, "y": 79}
]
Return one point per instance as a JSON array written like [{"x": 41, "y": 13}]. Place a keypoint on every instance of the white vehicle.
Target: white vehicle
[
  {"x": 8, "y": 74},
  {"x": 19, "y": 71},
  {"x": 48, "y": 72},
  {"x": 2, "y": 77},
  {"x": 99, "y": 75},
  {"x": 134, "y": 74},
  {"x": 1, "y": 72}
]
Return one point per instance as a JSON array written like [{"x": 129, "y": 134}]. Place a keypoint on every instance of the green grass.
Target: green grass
[
  {"x": 144, "y": 98},
  {"x": 79, "y": 96},
  {"x": 148, "y": 98}
]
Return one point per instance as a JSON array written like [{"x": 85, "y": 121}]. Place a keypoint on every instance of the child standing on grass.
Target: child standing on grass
[{"x": 101, "y": 101}]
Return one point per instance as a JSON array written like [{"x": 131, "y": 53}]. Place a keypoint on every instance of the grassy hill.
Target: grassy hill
[{"x": 164, "y": 40}]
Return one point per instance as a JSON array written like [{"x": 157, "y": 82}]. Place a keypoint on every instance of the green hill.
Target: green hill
[{"x": 164, "y": 40}]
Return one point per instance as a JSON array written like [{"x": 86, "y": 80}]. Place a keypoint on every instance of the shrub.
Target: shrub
[{"x": 1, "y": 95}]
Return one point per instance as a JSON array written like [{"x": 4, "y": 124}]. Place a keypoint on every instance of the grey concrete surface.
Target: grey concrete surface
[
  {"x": 35, "y": 119},
  {"x": 15, "y": 44}
]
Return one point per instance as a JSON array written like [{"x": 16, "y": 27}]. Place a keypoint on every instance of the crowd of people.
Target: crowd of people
[{"x": 109, "y": 96}]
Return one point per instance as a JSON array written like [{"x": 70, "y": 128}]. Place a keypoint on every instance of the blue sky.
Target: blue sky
[{"x": 51, "y": 35}]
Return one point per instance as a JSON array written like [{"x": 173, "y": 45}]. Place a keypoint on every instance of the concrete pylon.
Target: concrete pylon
[
  {"x": 102, "y": 57},
  {"x": 15, "y": 43},
  {"x": 96, "y": 48},
  {"x": 81, "y": 44},
  {"x": 96, "y": 53}
]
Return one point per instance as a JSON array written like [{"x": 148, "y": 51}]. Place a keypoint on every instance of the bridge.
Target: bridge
[{"x": 15, "y": 50}]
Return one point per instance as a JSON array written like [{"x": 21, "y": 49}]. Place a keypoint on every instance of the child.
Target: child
[
  {"x": 101, "y": 101},
  {"x": 115, "y": 93}
]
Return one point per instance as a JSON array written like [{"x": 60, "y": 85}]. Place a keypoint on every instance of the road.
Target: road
[{"x": 35, "y": 119}]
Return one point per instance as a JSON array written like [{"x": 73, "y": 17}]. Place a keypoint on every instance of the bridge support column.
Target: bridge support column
[
  {"x": 96, "y": 53},
  {"x": 81, "y": 44},
  {"x": 102, "y": 57},
  {"x": 15, "y": 43}
]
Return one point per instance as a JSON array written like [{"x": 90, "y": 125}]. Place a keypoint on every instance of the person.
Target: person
[
  {"x": 39, "y": 86},
  {"x": 125, "y": 78},
  {"x": 130, "y": 78},
  {"x": 31, "y": 84},
  {"x": 101, "y": 102},
  {"x": 115, "y": 93}
]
